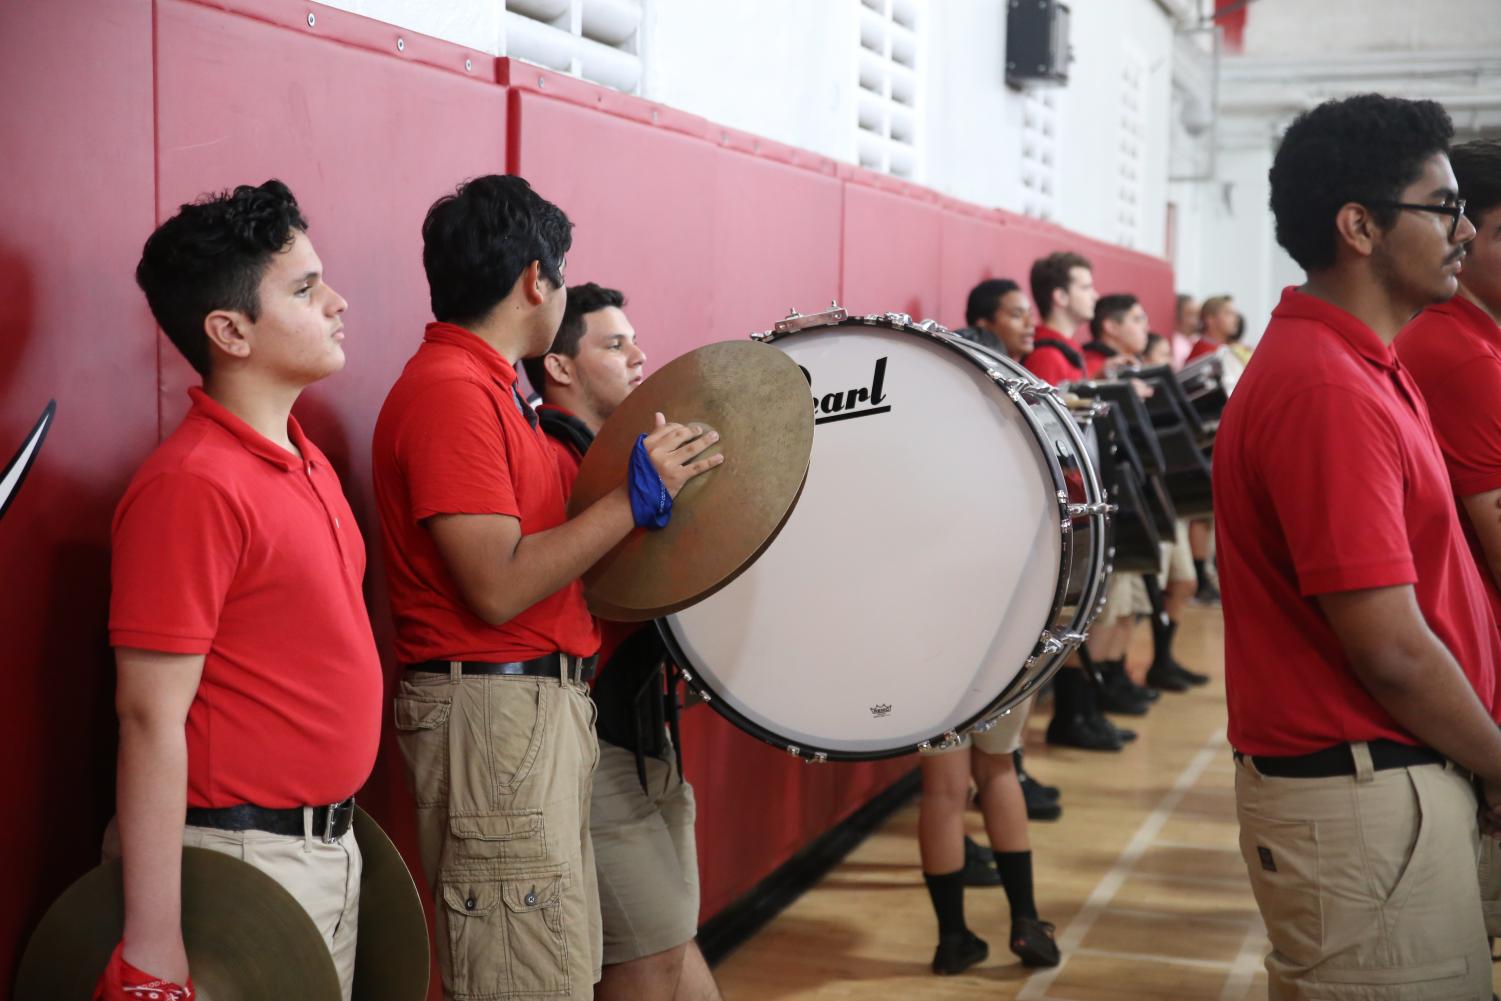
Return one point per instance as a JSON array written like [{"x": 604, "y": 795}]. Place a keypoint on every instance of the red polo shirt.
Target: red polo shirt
[
  {"x": 1327, "y": 478},
  {"x": 1054, "y": 358},
  {"x": 1096, "y": 354},
  {"x": 450, "y": 439},
  {"x": 1201, "y": 346},
  {"x": 611, "y": 634},
  {"x": 227, "y": 545},
  {"x": 1454, "y": 354}
]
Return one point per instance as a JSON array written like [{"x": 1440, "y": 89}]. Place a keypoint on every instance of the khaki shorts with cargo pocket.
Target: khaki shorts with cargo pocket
[{"x": 502, "y": 771}]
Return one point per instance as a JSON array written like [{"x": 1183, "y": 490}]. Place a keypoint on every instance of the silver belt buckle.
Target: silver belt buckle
[{"x": 329, "y": 819}]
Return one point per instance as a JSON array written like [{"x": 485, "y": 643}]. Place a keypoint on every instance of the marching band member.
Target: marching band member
[
  {"x": 1360, "y": 647},
  {"x": 493, "y": 714},
  {"x": 641, "y": 812},
  {"x": 248, "y": 683}
]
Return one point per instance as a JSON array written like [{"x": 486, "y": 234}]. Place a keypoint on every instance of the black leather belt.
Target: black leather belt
[
  {"x": 1339, "y": 760},
  {"x": 580, "y": 669},
  {"x": 330, "y": 823}
]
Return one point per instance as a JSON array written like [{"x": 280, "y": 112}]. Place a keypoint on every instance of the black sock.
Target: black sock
[
  {"x": 1066, "y": 692},
  {"x": 947, "y": 894},
  {"x": 1162, "y": 642},
  {"x": 1201, "y": 573},
  {"x": 1016, "y": 877}
]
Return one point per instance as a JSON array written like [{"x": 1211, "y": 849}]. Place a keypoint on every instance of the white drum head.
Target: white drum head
[{"x": 917, "y": 571}]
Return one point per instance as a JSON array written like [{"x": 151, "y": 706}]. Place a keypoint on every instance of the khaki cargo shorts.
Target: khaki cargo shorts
[
  {"x": 1178, "y": 558},
  {"x": 502, "y": 771},
  {"x": 645, "y": 855},
  {"x": 1003, "y": 738},
  {"x": 1125, "y": 596}
]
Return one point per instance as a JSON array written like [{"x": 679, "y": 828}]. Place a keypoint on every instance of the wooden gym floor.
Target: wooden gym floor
[{"x": 1141, "y": 875}]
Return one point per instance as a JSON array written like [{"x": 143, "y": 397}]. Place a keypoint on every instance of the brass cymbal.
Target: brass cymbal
[
  {"x": 247, "y": 938},
  {"x": 391, "y": 960},
  {"x": 758, "y": 400}
]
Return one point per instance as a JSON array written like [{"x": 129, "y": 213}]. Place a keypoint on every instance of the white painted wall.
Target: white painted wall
[
  {"x": 1298, "y": 54},
  {"x": 1317, "y": 27},
  {"x": 783, "y": 69},
  {"x": 788, "y": 70}
]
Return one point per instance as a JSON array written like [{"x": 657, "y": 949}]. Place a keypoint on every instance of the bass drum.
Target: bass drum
[{"x": 947, "y": 551}]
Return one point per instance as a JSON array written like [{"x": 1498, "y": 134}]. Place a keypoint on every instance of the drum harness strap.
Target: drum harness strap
[
  {"x": 1068, "y": 350},
  {"x": 637, "y": 691}
]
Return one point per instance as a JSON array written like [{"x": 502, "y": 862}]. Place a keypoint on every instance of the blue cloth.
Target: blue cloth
[{"x": 651, "y": 504}]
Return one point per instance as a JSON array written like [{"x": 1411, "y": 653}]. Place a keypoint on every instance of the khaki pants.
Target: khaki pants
[
  {"x": 323, "y": 878},
  {"x": 1367, "y": 883},
  {"x": 1490, "y": 884},
  {"x": 502, "y": 769},
  {"x": 645, "y": 855}
]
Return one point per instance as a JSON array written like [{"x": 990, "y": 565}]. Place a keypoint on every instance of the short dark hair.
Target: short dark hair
[
  {"x": 1240, "y": 328},
  {"x": 1477, "y": 165},
  {"x": 582, "y": 300},
  {"x": 211, "y": 255},
  {"x": 477, "y": 241},
  {"x": 985, "y": 298},
  {"x": 1110, "y": 307},
  {"x": 1363, "y": 149},
  {"x": 1051, "y": 273},
  {"x": 1182, "y": 299},
  {"x": 1153, "y": 339}
]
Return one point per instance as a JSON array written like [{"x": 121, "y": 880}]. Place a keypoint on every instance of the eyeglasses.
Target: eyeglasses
[{"x": 1454, "y": 210}]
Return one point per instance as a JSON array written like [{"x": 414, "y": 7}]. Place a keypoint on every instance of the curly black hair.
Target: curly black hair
[
  {"x": 1360, "y": 149},
  {"x": 1051, "y": 273},
  {"x": 1477, "y": 165},
  {"x": 985, "y": 298},
  {"x": 211, "y": 255},
  {"x": 1110, "y": 307},
  {"x": 477, "y": 241},
  {"x": 582, "y": 300}
]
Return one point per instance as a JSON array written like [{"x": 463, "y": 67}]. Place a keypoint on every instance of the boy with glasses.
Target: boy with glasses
[{"x": 1361, "y": 652}]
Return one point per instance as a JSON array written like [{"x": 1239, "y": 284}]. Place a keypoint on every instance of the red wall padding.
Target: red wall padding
[
  {"x": 891, "y": 252},
  {"x": 77, "y": 201},
  {"x": 711, "y": 232}
]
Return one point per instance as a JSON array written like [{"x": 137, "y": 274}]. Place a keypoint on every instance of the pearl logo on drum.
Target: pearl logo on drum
[
  {"x": 845, "y": 405},
  {"x": 880, "y": 711}
]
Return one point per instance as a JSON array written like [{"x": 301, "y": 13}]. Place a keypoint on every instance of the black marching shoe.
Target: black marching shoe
[
  {"x": 1042, "y": 800},
  {"x": 1099, "y": 721},
  {"x": 958, "y": 952},
  {"x": 1192, "y": 677},
  {"x": 979, "y": 865},
  {"x": 1118, "y": 694},
  {"x": 1162, "y": 676},
  {"x": 1084, "y": 732},
  {"x": 1040, "y": 806},
  {"x": 1032, "y": 942},
  {"x": 1077, "y": 720},
  {"x": 1018, "y": 758},
  {"x": 1165, "y": 663}
]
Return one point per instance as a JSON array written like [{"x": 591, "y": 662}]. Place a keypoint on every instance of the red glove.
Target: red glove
[{"x": 123, "y": 982}]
